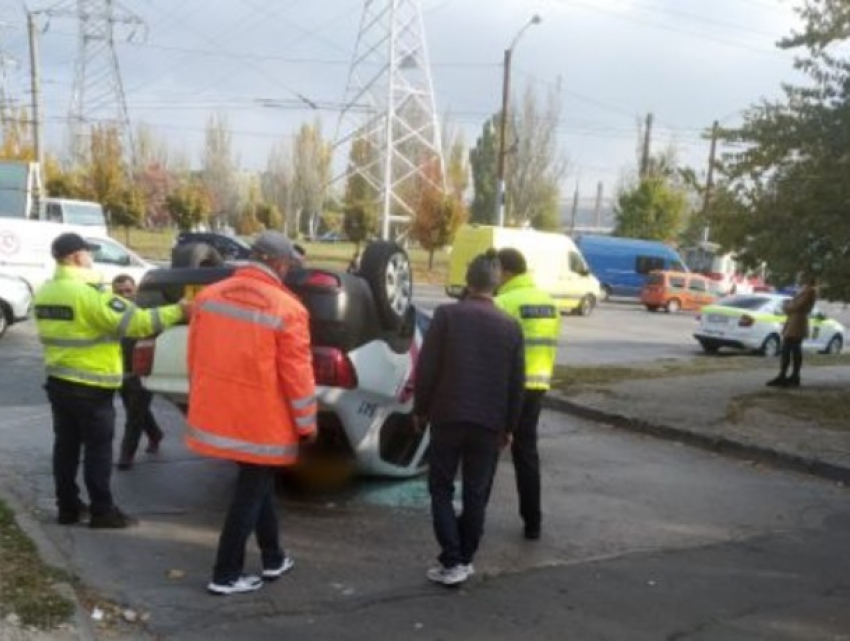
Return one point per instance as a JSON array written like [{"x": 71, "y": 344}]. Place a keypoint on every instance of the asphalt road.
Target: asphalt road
[{"x": 643, "y": 539}]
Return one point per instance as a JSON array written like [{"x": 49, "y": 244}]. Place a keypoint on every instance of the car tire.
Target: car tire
[
  {"x": 585, "y": 307},
  {"x": 673, "y": 306},
  {"x": 196, "y": 255},
  {"x": 709, "y": 347},
  {"x": 835, "y": 345},
  {"x": 771, "y": 346},
  {"x": 606, "y": 293},
  {"x": 5, "y": 317},
  {"x": 652, "y": 308},
  {"x": 386, "y": 268}
]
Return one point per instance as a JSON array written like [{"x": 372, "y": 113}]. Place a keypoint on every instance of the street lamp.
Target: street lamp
[{"x": 506, "y": 92}]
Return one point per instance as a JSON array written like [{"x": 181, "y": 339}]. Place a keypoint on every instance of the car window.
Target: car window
[
  {"x": 677, "y": 282},
  {"x": 697, "y": 285},
  {"x": 646, "y": 264},
  {"x": 110, "y": 253},
  {"x": 746, "y": 302},
  {"x": 677, "y": 266},
  {"x": 655, "y": 278},
  {"x": 577, "y": 264}
]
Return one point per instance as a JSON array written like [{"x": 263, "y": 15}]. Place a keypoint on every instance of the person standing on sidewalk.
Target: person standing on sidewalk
[
  {"x": 253, "y": 400},
  {"x": 540, "y": 320},
  {"x": 795, "y": 331},
  {"x": 80, "y": 326},
  {"x": 136, "y": 399},
  {"x": 469, "y": 385}
]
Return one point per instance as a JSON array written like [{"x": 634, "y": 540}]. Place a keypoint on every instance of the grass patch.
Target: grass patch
[
  {"x": 826, "y": 407},
  {"x": 570, "y": 378},
  {"x": 27, "y": 585},
  {"x": 156, "y": 245}
]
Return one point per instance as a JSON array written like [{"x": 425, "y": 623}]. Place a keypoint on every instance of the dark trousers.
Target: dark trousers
[
  {"x": 252, "y": 509},
  {"x": 476, "y": 450},
  {"x": 792, "y": 352},
  {"x": 83, "y": 421},
  {"x": 137, "y": 407},
  {"x": 527, "y": 459}
]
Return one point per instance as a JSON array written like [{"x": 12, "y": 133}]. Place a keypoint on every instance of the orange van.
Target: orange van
[{"x": 676, "y": 290}]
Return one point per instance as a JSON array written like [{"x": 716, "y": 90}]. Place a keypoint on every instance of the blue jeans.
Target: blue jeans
[
  {"x": 252, "y": 509},
  {"x": 476, "y": 449},
  {"x": 83, "y": 422}
]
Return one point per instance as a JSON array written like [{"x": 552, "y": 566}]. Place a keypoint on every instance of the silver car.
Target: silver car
[{"x": 15, "y": 301}]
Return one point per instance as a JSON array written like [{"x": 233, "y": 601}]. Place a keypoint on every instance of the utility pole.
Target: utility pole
[
  {"x": 597, "y": 208},
  {"x": 709, "y": 179},
  {"x": 647, "y": 140},
  {"x": 35, "y": 87},
  {"x": 503, "y": 126}
]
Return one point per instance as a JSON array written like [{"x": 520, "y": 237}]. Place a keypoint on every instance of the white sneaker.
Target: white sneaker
[
  {"x": 272, "y": 574},
  {"x": 468, "y": 568},
  {"x": 447, "y": 576},
  {"x": 245, "y": 583}
]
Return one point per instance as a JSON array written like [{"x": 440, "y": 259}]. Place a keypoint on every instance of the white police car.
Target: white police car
[
  {"x": 754, "y": 322},
  {"x": 15, "y": 301}
]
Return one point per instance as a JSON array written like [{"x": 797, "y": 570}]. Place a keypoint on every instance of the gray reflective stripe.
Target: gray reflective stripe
[
  {"x": 301, "y": 403},
  {"x": 77, "y": 342},
  {"x": 240, "y": 313},
  {"x": 106, "y": 379},
  {"x": 542, "y": 342},
  {"x": 301, "y": 421},
  {"x": 235, "y": 445},
  {"x": 126, "y": 319},
  {"x": 156, "y": 319},
  {"x": 538, "y": 379}
]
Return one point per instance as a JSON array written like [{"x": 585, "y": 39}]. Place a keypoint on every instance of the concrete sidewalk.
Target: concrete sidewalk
[{"x": 730, "y": 413}]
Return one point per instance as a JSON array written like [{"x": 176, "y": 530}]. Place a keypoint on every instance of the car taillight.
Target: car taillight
[
  {"x": 332, "y": 368},
  {"x": 322, "y": 279},
  {"x": 143, "y": 357},
  {"x": 746, "y": 321}
]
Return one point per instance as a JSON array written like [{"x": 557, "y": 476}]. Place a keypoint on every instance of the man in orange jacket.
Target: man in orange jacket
[{"x": 253, "y": 400}]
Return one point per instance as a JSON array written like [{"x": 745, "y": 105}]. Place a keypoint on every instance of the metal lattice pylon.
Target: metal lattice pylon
[
  {"x": 389, "y": 102},
  {"x": 98, "y": 94}
]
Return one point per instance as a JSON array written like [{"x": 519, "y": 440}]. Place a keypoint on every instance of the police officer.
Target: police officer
[
  {"x": 81, "y": 326},
  {"x": 540, "y": 320}
]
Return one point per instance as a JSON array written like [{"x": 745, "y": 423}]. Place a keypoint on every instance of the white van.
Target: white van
[
  {"x": 555, "y": 263},
  {"x": 25, "y": 251},
  {"x": 84, "y": 213}
]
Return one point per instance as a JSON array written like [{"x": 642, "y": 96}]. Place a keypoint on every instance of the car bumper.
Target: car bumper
[{"x": 737, "y": 342}]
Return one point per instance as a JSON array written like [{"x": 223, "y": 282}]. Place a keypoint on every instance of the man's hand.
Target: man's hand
[
  {"x": 309, "y": 439},
  {"x": 186, "y": 307}
]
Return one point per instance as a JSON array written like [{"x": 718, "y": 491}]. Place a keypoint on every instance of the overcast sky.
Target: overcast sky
[{"x": 688, "y": 62}]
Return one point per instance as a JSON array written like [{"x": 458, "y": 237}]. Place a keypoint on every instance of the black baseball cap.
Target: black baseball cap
[{"x": 70, "y": 243}]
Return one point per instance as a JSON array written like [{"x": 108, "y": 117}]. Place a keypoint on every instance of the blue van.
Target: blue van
[{"x": 622, "y": 264}]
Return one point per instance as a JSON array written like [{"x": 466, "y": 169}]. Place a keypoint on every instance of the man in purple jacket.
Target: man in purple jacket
[{"x": 469, "y": 385}]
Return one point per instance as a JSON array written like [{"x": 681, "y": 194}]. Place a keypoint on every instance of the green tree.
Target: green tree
[
  {"x": 360, "y": 212},
  {"x": 188, "y": 205},
  {"x": 219, "y": 169},
  {"x": 791, "y": 176},
  {"x": 438, "y": 215},
  {"x": 652, "y": 209},
  {"x": 483, "y": 163},
  {"x": 311, "y": 173}
]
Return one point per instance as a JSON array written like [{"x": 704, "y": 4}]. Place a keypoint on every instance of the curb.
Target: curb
[{"x": 719, "y": 444}]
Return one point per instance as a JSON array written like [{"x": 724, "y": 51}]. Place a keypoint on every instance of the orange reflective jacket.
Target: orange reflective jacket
[{"x": 252, "y": 391}]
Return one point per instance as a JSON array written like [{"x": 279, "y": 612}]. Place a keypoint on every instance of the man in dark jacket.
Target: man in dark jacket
[{"x": 469, "y": 386}]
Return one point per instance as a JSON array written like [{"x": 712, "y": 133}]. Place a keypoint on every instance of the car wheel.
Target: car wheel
[
  {"x": 196, "y": 255},
  {"x": 606, "y": 293},
  {"x": 835, "y": 345},
  {"x": 770, "y": 346},
  {"x": 585, "y": 307},
  {"x": 386, "y": 267},
  {"x": 5, "y": 317},
  {"x": 673, "y": 306},
  {"x": 652, "y": 308},
  {"x": 709, "y": 347}
]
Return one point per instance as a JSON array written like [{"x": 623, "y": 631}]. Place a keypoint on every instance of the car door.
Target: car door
[
  {"x": 112, "y": 258},
  {"x": 815, "y": 341}
]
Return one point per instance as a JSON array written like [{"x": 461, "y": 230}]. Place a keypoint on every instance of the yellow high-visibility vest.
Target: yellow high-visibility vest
[
  {"x": 538, "y": 315},
  {"x": 81, "y": 325}
]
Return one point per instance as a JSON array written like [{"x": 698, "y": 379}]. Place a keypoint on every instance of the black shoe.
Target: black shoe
[
  {"x": 153, "y": 443},
  {"x": 115, "y": 519},
  {"x": 779, "y": 381},
  {"x": 793, "y": 381},
  {"x": 532, "y": 533},
  {"x": 125, "y": 463},
  {"x": 72, "y": 517}
]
